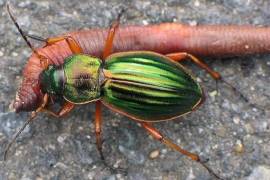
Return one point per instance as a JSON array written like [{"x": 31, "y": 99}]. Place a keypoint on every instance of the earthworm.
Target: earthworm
[{"x": 203, "y": 40}]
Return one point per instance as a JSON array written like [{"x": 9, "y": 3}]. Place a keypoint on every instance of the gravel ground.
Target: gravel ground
[{"x": 233, "y": 135}]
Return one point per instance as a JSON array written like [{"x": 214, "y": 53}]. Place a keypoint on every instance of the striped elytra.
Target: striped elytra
[{"x": 148, "y": 86}]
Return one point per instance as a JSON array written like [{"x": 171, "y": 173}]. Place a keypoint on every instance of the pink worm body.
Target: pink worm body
[{"x": 205, "y": 40}]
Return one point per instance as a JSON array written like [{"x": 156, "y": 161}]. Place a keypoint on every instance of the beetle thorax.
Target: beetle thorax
[{"x": 77, "y": 80}]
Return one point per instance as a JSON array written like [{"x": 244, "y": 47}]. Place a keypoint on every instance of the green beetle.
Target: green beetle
[{"x": 143, "y": 85}]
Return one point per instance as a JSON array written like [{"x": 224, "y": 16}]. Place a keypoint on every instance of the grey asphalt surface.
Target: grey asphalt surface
[{"x": 234, "y": 136}]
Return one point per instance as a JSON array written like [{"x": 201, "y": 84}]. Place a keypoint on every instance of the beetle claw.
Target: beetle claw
[{"x": 114, "y": 170}]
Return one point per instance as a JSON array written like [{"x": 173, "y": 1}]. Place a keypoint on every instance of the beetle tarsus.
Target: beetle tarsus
[
  {"x": 99, "y": 147},
  {"x": 114, "y": 170},
  {"x": 35, "y": 37},
  {"x": 209, "y": 170},
  {"x": 242, "y": 96}
]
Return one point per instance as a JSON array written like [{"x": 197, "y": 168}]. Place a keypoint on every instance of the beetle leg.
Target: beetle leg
[
  {"x": 157, "y": 135},
  {"x": 183, "y": 56},
  {"x": 65, "y": 109},
  {"x": 35, "y": 37},
  {"x": 98, "y": 124},
  {"x": 111, "y": 34},
  {"x": 109, "y": 41},
  {"x": 72, "y": 43}
]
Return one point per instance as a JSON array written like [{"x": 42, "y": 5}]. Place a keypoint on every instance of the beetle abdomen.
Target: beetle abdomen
[{"x": 148, "y": 86}]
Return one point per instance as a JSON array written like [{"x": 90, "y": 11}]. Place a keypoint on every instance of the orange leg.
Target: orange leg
[
  {"x": 98, "y": 123},
  {"x": 157, "y": 135},
  {"x": 67, "y": 107},
  {"x": 183, "y": 56},
  {"x": 73, "y": 45},
  {"x": 109, "y": 41}
]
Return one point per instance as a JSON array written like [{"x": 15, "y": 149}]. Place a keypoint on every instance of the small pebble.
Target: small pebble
[
  {"x": 12, "y": 175},
  {"x": 164, "y": 151},
  {"x": 254, "y": 109},
  {"x": 200, "y": 130},
  {"x": 215, "y": 146},
  {"x": 154, "y": 154},
  {"x": 119, "y": 176},
  {"x": 213, "y": 93},
  {"x": 52, "y": 147},
  {"x": 236, "y": 119},
  {"x": 239, "y": 147},
  {"x": 61, "y": 139},
  {"x": 116, "y": 164},
  {"x": 249, "y": 128},
  {"x": 197, "y": 3},
  {"x": 61, "y": 165},
  {"x": 91, "y": 175},
  {"x": 191, "y": 175},
  {"x": 18, "y": 153},
  {"x": 14, "y": 54},
  {"x": 24, "y": 4}
]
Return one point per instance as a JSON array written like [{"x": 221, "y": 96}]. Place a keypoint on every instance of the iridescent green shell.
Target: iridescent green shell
[
  {"x": 52, "y": 80},
  {"x": 148, "y": 86},
  {"x": 82, "y": 74}
]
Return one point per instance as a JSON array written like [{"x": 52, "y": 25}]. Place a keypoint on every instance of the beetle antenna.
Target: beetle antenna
[
  {"x": 33, "y": 115},
  {"x": 19, "y": 29}
]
